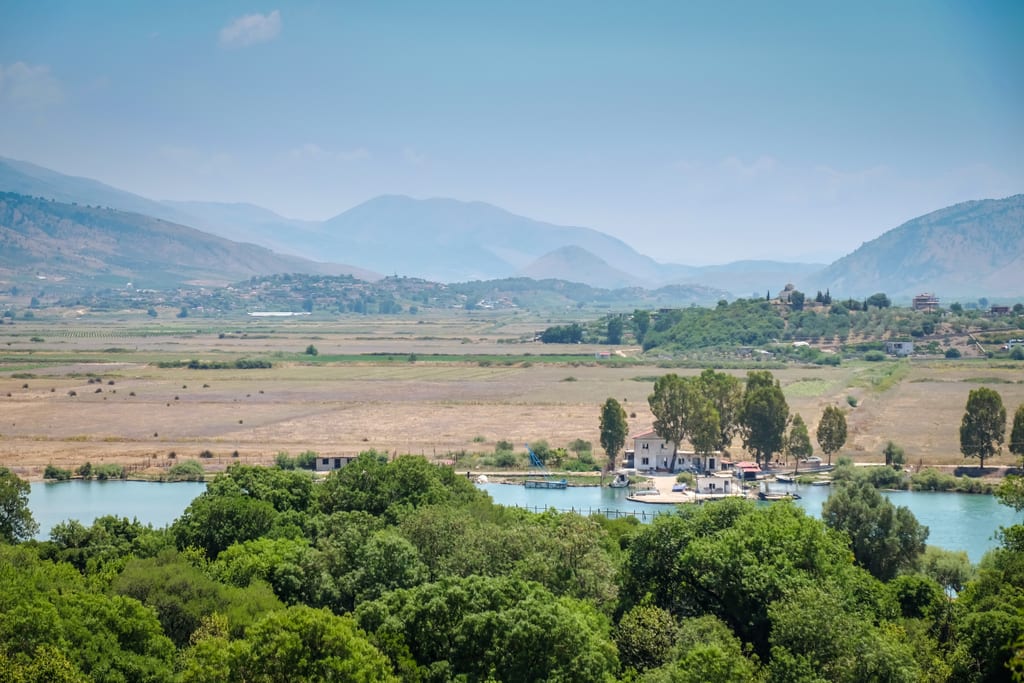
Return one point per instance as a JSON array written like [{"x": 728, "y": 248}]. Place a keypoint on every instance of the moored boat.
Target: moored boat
[
  {"x": 620, "y": 481},
  {"x": 762, "y": 495}
]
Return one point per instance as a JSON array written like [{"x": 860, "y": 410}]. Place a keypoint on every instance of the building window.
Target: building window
[{"x": 645, "y": 461}]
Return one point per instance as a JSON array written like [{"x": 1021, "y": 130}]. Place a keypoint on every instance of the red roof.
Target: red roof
[{"x": 746, "y": 465}]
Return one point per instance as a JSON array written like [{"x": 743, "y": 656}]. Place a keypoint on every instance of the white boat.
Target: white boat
[{"x": 620, "y": 481}]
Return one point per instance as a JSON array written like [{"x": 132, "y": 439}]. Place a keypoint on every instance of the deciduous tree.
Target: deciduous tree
[
  {"x": 725, "y": 392},
  {"x": 894, "y": 455},
  {"x": 668, "y": 403},
  {"x": 16, "y": 521},
  {"x": 831, "y": 431},
  {"x": 764, "y": 417},
  {"x": 885, "y": 538},
  {"x": 614, "y": 429},
  {"x": 984, "y": 425},
  {"x": 1016, "y": 444},
  {"x": 798, "y": 441}
]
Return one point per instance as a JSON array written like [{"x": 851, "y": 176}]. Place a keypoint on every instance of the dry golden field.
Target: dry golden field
[{"x": 499, "y": 387}]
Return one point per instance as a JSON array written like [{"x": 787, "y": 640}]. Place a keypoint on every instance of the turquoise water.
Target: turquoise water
[
  {"x": 149, "y": 502},
  {"x": 956, "y": 521}
]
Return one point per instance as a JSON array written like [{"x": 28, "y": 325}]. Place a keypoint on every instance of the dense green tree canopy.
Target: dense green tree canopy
[
  {"x": 495, "y": 629},
  {"x": 372, "y": 484},
  {"x": 212, "y": 522},
  {"x": 731, "y": 560},
  {"x": 885, "y": 538}
]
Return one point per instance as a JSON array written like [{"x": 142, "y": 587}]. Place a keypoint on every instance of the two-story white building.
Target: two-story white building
[{"x": 651, "y": 453}]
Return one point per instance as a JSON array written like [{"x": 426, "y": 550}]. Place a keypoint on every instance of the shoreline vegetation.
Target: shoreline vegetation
[{"x": 881, "y": 477}]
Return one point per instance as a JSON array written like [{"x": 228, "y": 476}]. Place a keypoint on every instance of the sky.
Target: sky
[{"x": 698, "y": 132}]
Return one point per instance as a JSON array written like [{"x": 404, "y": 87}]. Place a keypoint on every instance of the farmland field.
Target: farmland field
[{"x": 92, "y": 389}]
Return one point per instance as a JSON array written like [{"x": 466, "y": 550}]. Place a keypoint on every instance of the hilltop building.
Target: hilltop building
[{"x": 929, "y": 303}]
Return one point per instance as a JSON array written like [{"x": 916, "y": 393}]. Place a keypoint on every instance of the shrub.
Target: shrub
[
  {"x": 503, "y": 445},
  {"x": 284, "y": 461},
  {"x": 885, "y": 478},
  {"x": 84, "y": 471},
  {"x": 581, "y": 465},
  {"x": 874, "y": 356},
  {"x": 305, "y": 460},
  {"x": 851, "y": 400},
  {"x": 1017, "y": 353},
  {"x": 109, "y": 471},
  {"x": 206, "y": 454},
  {"x": 311, "y": 350},
  {"x": 952, "y": 353},
  {"x": 506, "y": 459},
  {"x": 56, "y": 473},
  {"x": 188, "y": 470}
]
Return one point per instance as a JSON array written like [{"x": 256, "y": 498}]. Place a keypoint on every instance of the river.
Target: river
[{"x": 956, "y": 521}]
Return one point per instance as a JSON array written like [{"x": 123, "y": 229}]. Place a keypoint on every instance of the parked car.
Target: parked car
[{"x": 813, "y": 460}]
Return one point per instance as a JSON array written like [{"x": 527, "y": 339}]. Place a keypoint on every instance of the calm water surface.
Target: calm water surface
[
  {"x": 955, "y": 521},
  {"x": 149, "y": 502}
]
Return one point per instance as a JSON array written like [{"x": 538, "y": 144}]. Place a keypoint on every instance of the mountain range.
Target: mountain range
[{"x": 970, "y": 249}]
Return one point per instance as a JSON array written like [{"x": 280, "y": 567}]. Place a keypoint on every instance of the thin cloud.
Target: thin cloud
[
  {"x": 28, "y": 85},
  {"x": 251, "y": 29},
  {"x": 757, "y": 167},
  {"x": 314, "y": 152},
  {"x": 414, "y": 157}
]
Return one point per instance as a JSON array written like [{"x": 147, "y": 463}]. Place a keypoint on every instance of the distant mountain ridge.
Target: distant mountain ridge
[
  {"x": 69, "y": 243},
  {"x": 442, "y": 239},
  {"x": 970, "y": 249}
]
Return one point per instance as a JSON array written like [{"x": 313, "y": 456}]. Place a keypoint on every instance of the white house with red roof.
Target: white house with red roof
[{"x": 651, "y": 453}]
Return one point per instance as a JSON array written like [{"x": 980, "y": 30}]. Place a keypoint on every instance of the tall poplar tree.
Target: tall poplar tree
[{"x": 614, "y": 429}]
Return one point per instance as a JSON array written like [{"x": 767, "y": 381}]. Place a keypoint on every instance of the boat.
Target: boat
[
  {"x": 545, "y": 481},
  {"x": 822, "y": 482},
  {"x": 784, "y": 478},
  {"x": 764, "y": 495},
  {"x": 679, "y": 487},
  {"x": 620, "y": 481}
]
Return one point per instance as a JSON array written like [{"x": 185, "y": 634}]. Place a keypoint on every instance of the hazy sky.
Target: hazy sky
[{"x": 698, "y": 132}]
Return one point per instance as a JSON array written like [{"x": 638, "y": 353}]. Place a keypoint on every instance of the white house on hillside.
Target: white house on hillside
[{"x": 651, "y": 453}]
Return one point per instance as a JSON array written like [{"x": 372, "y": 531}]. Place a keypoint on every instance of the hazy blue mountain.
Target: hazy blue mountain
[
  {"x": 579, "y": 265},
  {"x": 250, "y": 223},
  {"x": 24, "y": 178},
  {"x": 449, "y": 240},
  {"x": 76, "y": 245},
  {"x": 971, "y": 249}
]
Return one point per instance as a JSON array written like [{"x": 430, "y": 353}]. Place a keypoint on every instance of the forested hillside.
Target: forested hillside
[
  {"x": 747, "y": 323},
  {"x": 404, "y": 570}
]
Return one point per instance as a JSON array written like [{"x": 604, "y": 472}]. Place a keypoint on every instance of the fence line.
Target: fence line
[{"x": 610, "y": 513}]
